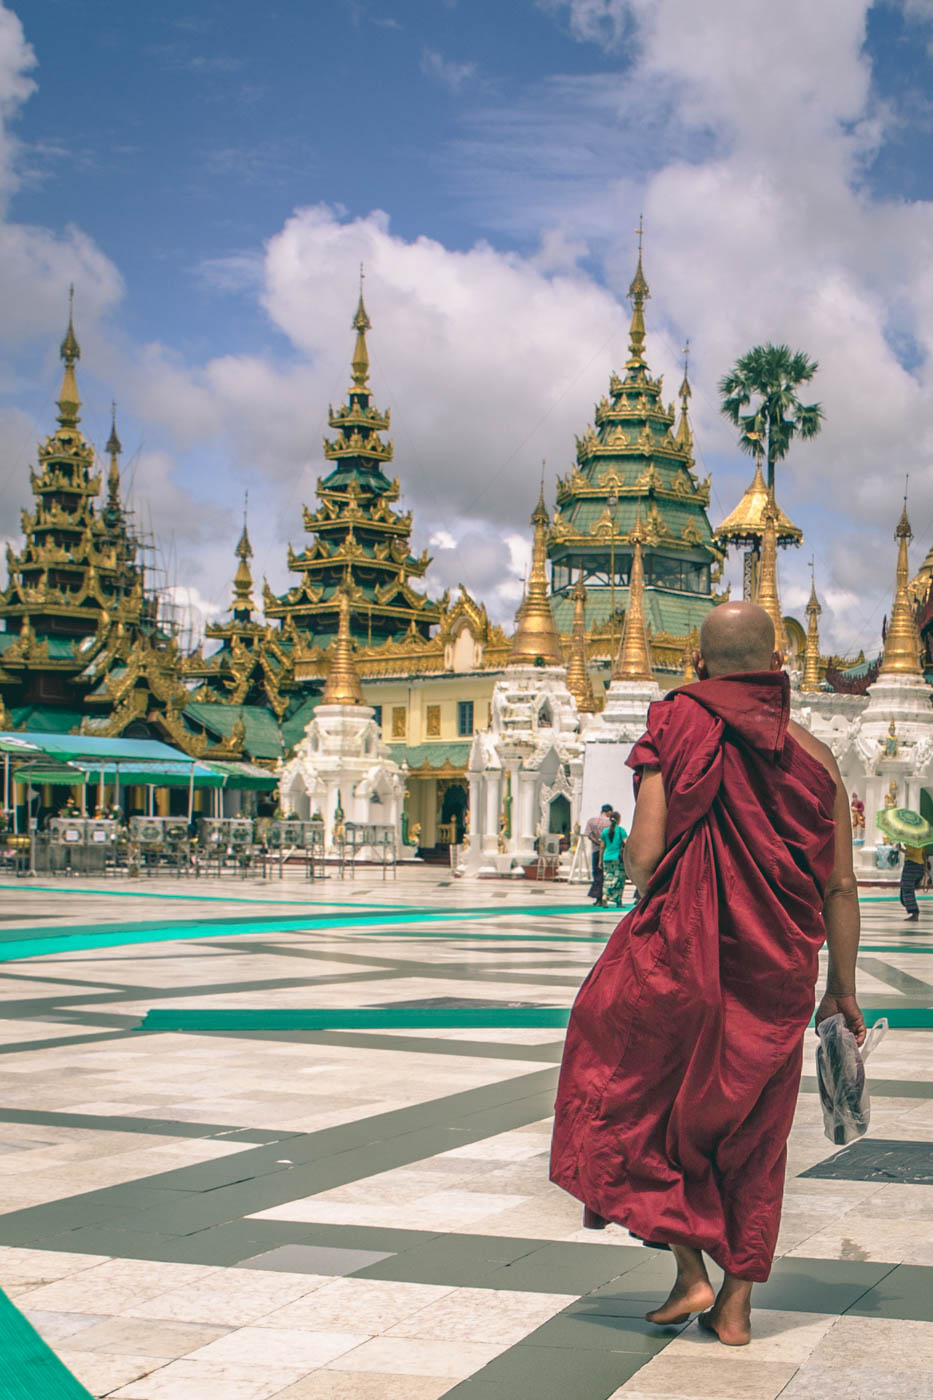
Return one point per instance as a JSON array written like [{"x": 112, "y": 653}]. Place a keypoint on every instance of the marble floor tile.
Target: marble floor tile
[
  {"x": 54, "y": 1327},
  {"x": 127, "y": 1336},
  {"x": 481, "y": 1315},
  {"x": 702, "y": 1378},
  {"x": 279, "y": 1346},
  {"x": 356, "y": 1305},
  {"x": 229, "y": 1298},
  {"x": 407, "y": 1356},
  {"x": 101, "y": 1373},
  {"x": 198, "y": 1380},
  {"x": 859, "y": 1383},
  {"x": 358, "y": 1385}
]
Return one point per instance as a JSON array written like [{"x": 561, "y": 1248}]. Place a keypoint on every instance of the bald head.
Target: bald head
[{"x": 736, "y": 637}]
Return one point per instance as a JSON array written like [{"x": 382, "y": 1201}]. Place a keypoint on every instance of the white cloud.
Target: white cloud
[{"x": 453, "y": 75}]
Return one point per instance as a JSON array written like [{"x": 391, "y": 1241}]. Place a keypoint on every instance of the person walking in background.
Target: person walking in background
[
  {"x": 593, "y": 831},
  {"x": 613, "y": 844},
  {"x": 911, "y": 875}
]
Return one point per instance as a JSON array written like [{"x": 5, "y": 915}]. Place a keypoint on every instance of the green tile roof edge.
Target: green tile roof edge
[
  {"x": 29, "y": 1368},
  {"x": 436, "y": 753}
]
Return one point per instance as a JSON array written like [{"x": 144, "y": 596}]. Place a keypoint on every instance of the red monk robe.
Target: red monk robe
[{"x": 683, "y": 1055}]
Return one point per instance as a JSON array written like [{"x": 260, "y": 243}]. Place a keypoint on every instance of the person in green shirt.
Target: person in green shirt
[
  {"x": 613, "y": 870},
  {"x": 911, "y": 875}
]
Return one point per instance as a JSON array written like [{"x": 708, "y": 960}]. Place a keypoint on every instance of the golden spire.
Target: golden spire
[
  {"x": 360, "y": 361},
  {"x": 810, "y": 682},
  {"x": 902, "y": 641},
  {"x": 578, "y": 677},
  {"x": 243, "y": 580},
  {"x": 766, "y": 594},
  {"x": 536, "y": 637},
  {"x": 633, "y": 662},
  {"x": 114, "y": 447},
  {"x": 638, "y": 294},
  {"x": 343, "y": 683},
  {"x": 69, "y": 402},
  {"x": 683, "y": 436}
]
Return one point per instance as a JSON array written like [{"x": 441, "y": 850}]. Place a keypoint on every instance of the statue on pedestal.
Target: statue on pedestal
[
  {"x": 891, "y": 741},
  {"x": 858, "y": 820}
]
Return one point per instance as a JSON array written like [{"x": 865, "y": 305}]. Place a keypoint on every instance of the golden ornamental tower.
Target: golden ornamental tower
[
  {"x": 343, "y": 684},
  {"x": 243, "y": 603},
  {"x": 633, "y": 662},
  {"x": 355, "y": 529},
  {"x": 810, "y": 682},
  {"x": 767, "y": 595},
  {"x": 636, "y": 457},
  {"x": 578, "y": 676},
  {"x": 114, "y": 448},
  {"x": 536, "y": 639},
  {"x": 902, "y": 640}
]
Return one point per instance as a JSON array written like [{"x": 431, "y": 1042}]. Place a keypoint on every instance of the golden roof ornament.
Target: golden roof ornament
[
  {"x": 638, "y": 294},
  {"x": 633, "y": 662},
  {"x": 343, "y": 683},
  {"x": 810, "y": 682},
  {"x": 114, "y": 447},
  {"x": 536, "y": 639},
  {"x": 243, "y": 580},
  {"x": 578, "y": 677},
  {"x": 684, "y": 437},
  {"x": 902, "y": 640},
  {"x": 766, "y": 594},
  {"x": 745, "y": 525},
  {"x": 69, "y": 401},
  {"x": 360, "y": 362}
]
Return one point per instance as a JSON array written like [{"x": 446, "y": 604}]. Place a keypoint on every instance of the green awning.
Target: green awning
[
  {"x": 13, "y": 744},
  {"x": 38, "y": 773},
  {"x": 91, "y": 749},
  {"x": 154, "y": 774},
  {"x": 244, "y": 775}
]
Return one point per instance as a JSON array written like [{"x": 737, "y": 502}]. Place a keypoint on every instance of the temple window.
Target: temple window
[
  {"x": 465, "y": 718},
  {"x": 399, "y": 721},
  {"x": 433, "y": 722}
]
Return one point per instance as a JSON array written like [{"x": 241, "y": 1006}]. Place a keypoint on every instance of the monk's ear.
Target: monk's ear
[
  {"x": 777, "y": 660},
  {"x": 699, "y": 665}
]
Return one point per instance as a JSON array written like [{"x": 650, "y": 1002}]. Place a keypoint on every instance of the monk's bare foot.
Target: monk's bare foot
[
  {"x": 730, "y": 1318},
  {"x": 692, "y": 1291}
]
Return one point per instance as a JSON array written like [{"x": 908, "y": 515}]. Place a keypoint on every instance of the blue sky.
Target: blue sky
[{"x": 210, "y": 176}]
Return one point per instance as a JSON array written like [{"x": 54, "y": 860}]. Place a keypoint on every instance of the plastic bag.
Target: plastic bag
[{"x": 840, "y": 1073}]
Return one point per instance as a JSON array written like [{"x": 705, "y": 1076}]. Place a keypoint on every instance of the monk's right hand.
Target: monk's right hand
[{"x": 846, "y": 1007}]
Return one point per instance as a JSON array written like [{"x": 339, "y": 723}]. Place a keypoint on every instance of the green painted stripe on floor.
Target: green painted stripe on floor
[
  {"x": 29, "y": 1369},
  {"x": 44, "y": 944},
  {"x": 192, "y": 1018},
  {"x": 354, "y": 1018}
]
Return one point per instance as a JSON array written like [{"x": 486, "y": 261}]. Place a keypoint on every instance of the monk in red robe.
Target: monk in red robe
[{"x": 684, "y": 1051}]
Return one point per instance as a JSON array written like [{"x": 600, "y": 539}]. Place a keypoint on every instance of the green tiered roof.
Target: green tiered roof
[
  {"x": 635, "y": 455},
  {"x": 360, "y": 542}
]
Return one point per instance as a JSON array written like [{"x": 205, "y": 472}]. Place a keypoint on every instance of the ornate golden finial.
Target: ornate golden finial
[
  {"x": 688, "y": 675},
  {"x": 683, "y": 436},
  {"x": 633, "y": 662},
  {"x": 360, "y": 361},
  {"x": 114, "y": 447},
  {"x": 536, "y": 637},
  {"x": 343, "y": 684},
  {"x": 810, "y": 683},
  {"x": 69, "y": 402},
  {"x": 902, "y": 640},
  {"x": 766, "y": 594},
  {"x": 578, "y": 677},
  {"x": 243, "y": 604},
  {"x": 638, "y": 294}
]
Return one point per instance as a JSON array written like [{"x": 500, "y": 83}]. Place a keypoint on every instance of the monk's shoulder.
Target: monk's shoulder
[{"x": 815, "y": 748}]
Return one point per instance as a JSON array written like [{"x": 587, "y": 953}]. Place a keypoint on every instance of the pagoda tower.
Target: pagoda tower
[
  {"x": 77, "y": 582},
  {"x": 810, "y": 681},
  {"x": 536, "y": 641},
  {"x": 250, "y": 666},
  {"x": 633, "y": 462},
  {"x": 356, "y": 533},
  {"x": 578, "y": 676},
  {"x": 766, "y": 592}
]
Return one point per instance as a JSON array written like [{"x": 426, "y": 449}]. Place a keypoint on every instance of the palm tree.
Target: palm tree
[{"x": 770, "y": 374}]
